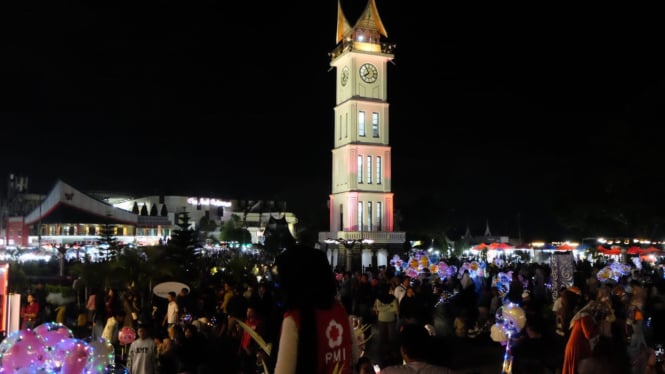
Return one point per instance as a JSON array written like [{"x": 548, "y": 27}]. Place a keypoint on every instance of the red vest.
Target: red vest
[{"x": 335, "y": 355}]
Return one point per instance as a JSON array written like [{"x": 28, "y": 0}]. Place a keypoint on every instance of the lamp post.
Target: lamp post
[{"x": 348, "y": 245}]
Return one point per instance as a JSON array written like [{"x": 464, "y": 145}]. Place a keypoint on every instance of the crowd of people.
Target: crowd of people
[{"x": 304, "y": 317}]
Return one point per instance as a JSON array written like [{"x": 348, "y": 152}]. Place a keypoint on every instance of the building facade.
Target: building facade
[{"x": 68, "y": 216}]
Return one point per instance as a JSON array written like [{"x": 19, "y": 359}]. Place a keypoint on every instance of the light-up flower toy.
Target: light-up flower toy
[{"x": 510, "y": 320}]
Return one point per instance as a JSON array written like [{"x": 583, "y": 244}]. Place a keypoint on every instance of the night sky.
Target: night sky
[{"x": 499, "y": 114}]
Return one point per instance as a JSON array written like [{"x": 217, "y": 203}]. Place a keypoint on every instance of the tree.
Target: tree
[
  {"x": 153, "y": 210},
  {"x": 206, "y": 227},
  {"x": 138, "y": 269},
  {"x": 206, "y": 224},
  {"x": 181, "y": 249},
  {"x": 233, "y": 230}
]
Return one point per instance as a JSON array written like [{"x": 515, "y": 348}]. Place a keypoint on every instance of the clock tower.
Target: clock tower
[{"x": 361, "y": 203}]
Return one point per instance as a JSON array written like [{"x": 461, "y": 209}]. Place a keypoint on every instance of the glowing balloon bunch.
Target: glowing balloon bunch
[
  {"x": 502, "y": 281},
  {"x": 510, "y": 320},
  {"x": 52, "y": 348},
  {"x": 419, "y": 262},
  {"x": 444, "y": 270},
  {"x": 613, "y": 271},
  {"x": 476, "y": 269}
]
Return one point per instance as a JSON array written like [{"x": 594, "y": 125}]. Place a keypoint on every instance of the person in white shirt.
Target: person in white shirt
[
  {"x": 171, "y": 316},
  {"x": 400, "y": 290},
  {"x": 142, "y": 354}
]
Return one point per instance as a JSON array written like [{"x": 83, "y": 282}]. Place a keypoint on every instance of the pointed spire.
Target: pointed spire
[
  {"x": 343, "y": 25},
  {"x": 370, "y": 19},
  {"x": 467, "y": 234},
  {"x": 487, "y": 228}
]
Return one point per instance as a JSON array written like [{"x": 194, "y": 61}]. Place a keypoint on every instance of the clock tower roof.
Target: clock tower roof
[
  {"x": 369, "y": 23},
  {"x": 343, "y": 26}
]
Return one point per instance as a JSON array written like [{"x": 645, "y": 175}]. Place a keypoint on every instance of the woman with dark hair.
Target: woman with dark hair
[
  {"x": 112, "y": 303},
  {"x": 316, "y": 334}
]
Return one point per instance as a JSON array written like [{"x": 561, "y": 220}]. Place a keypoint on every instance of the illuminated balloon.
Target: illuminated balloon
[
  {"x": 514, "y": 318},
  {"x": 498, "y": 334},
  {"x": 28, "y": 370},
  {"x": 103, "y": 356},
  {"x": 126, "y": 335},
  {"x": 77, "y": 359},
  {"x": 510, "y": 320},
  {"x": 412, "y": 273},
  {"x": 9, "y": 341},
  {"x": 52, "y": 334},
  {"x": 43, "y": 328},
  {"x": 27, "y": 352}
]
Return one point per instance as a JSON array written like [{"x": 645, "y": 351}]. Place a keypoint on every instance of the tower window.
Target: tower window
[
  {"x": 360, "y": 216},
  {"x": 369, "y": 216},
  {"x": 346, "y": 125},
  {"x": 375, "y": 125},
  {"x": 360, "y": 168},
  {"x": 379, "y": 214},
  {"x": 378, "y": 169},
  {"x": 369, "y": 169},
  {"x": 361, "y": 123}
]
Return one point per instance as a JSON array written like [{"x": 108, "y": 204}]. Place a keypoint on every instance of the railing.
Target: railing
[
  {"x": 347, "y": 45},
  {"x": 392, "y": 237}
]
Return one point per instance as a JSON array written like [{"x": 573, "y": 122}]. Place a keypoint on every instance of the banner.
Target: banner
[{"x": 563, "y": 269}]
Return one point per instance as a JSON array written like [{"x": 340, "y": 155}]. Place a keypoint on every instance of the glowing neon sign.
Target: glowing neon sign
[{"x": 204, "y": 201}]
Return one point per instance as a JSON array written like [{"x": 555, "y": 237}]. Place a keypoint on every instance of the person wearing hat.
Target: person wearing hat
[{"x": 316, "y": 333}]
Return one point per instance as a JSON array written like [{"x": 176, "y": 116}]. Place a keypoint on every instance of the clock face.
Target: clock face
[
  {"x": 368, "y": 73},
  {"x": 345, "y": 76}
]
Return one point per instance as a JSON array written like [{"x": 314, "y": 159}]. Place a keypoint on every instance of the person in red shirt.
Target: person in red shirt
[
  {"x": 248, "y": 347},
  {"x": 30, "y": 313}
]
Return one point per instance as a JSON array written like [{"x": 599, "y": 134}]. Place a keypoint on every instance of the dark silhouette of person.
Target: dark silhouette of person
[{"x": 316, "y": 334}]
